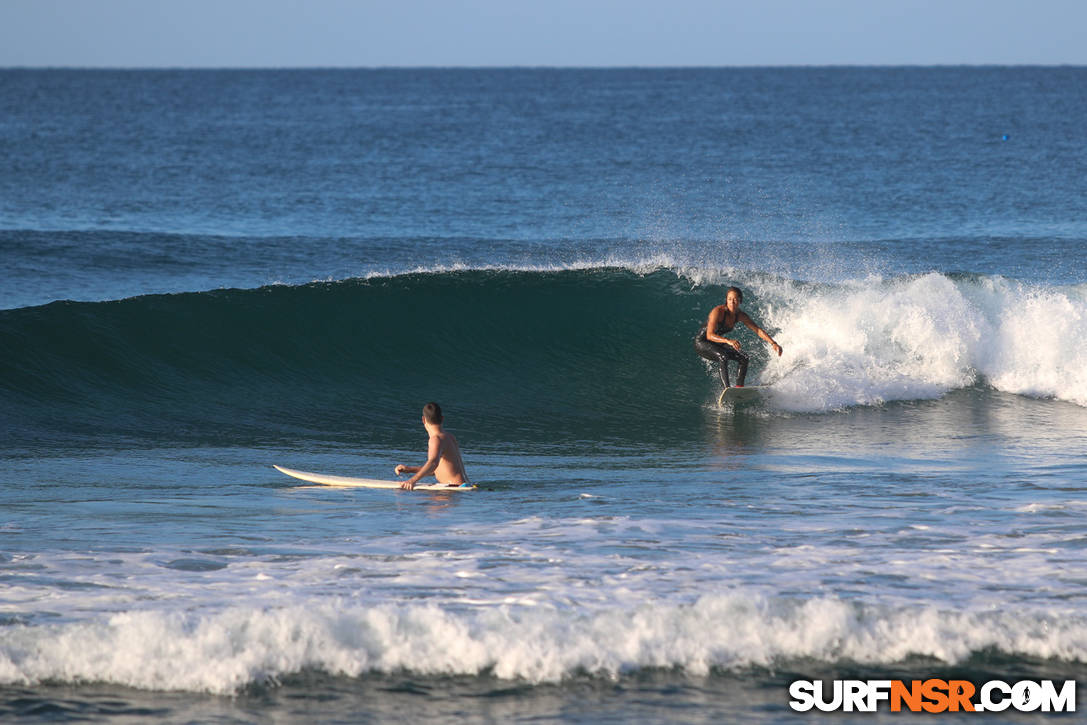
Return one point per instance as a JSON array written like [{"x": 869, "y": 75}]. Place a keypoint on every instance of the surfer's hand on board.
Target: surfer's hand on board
[{"x": 407, "y": 485}]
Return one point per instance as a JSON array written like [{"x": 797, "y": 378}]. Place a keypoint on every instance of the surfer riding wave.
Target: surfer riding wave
[{"x": 711, "y": 343}]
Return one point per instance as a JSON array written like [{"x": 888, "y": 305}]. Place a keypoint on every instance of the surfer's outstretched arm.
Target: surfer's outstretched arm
[{"x": 744, "y": 318}]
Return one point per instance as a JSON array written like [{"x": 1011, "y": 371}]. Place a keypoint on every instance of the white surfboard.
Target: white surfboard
[
  {"x": 746, "y": 394},
  {"x": 349, "y": 482}
]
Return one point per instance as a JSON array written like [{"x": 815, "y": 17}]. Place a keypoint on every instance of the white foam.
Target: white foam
[
  {"x": 1039, "y": 342},
  {"x": 540, "y": 599},
  {"x": 222, "y": 651},
  {"x": 918, "y": 338}
]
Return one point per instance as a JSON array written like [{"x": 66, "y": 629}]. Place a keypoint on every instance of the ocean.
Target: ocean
[{"x": 207, "y": 272}]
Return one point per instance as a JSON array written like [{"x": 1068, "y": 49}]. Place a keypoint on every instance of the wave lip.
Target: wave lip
[{"x": 225, "y": 651}]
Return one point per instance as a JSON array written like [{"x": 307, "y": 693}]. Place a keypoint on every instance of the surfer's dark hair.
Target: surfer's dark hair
[
  {"x": 433, "y": 413},
  {"x": 739, "y": 292}
]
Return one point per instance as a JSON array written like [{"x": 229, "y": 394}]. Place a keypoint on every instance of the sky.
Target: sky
[{"x": 594, "y": 33}]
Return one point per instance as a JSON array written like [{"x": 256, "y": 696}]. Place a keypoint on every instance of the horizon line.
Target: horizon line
[{"x": 752, "y": 66}]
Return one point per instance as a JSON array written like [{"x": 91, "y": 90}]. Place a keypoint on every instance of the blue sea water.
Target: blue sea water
[{"x": 208, "y": 272}]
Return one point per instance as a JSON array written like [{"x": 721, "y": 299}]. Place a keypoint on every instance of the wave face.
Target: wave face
[
  {"x": 599, "y": 353},
  {"x": 524, "y": 350}
]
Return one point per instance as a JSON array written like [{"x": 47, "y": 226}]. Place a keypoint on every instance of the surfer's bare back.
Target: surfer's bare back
[{"x": 443, "y": 454}]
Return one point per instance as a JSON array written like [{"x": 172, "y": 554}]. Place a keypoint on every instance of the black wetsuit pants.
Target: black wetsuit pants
[{"x": 722, "y": 353}]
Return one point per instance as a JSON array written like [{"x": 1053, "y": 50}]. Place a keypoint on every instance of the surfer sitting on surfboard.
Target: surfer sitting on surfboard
[
  {"x": 443, "y": 454},
  {"x": 711, "y": 344}
]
